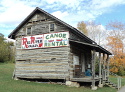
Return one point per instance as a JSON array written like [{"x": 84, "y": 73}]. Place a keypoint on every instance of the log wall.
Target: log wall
[{"x": 45, "y": 63}]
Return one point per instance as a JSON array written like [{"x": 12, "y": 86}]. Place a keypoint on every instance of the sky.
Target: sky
[{"x": 13, "y": 12}]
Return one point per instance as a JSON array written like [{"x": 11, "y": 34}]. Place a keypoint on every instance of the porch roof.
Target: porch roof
[{"x": 96, "y": 47}]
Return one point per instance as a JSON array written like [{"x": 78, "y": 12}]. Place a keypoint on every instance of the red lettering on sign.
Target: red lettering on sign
[
  {"x": 25, "y": 42},
  {"x": 40, "y": 45},
  {"x": 32, "y": 40}
]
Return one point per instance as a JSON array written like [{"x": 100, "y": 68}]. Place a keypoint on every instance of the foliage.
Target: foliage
[
  {"x": 10, "y": 85},
  {"x": 93, "y": 30},
  {"x": 6, "y": 50},
  {"x": 116, "y": 46},
  {"x": 82, "y": 27}
]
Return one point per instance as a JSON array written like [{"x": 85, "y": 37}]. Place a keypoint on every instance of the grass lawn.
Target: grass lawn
[
  {"x": 114, "y": 80},
  {"x": 7, "y": 84}
]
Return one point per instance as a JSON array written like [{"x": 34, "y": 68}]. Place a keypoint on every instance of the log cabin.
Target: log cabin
[{"x": 48, "y": 48}]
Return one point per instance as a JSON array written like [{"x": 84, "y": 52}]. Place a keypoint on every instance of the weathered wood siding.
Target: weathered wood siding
[
  {"x": 40, "y": 25},
  {"x": 46, "y": 63}
]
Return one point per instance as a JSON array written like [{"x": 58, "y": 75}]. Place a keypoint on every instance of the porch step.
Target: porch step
[{"x": 110, "y": 84}]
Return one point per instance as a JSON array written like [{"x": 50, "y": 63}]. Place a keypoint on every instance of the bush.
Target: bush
[
  {"x": 121, "y": 72},
  {"x": 6, "y": 50}
]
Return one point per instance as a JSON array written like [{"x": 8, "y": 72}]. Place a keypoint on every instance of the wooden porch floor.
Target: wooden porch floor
[{"x": 85, "y": 79}]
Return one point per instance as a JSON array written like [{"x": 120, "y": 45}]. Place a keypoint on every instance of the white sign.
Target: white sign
[
  {"x": 56, "y": 39},
  {"x": 30, "y": 42},
  {"x": 45, "y": 40}
]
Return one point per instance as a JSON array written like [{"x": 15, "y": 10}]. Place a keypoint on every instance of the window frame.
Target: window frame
[
  {"x": 52, "y": 28},
  {"x": 30, "y": 31}
]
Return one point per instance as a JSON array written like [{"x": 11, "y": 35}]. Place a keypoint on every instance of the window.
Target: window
[
  {"x": 29, "y": 31},
  {"x": 76, "y": 60},
  {"x": 52, "y": 27}
]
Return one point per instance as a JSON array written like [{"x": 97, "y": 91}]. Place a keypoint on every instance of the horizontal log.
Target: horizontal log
[
  {"x": 56, "y": 67},
  {"x": 41, "y": 64},
  {"x": 43, "y": 68},
  {"x": 40, "y": 61},
  {"x": 29, "y": 58},
  {"x": 47, "y": 49},
  {"x": 41, "y": 77},
  {"x": 23, "y": 52},
  {"x": 41, "y": 71},
  {"x": 43, "y": 57},
  {"x": 42, "y": 54}
]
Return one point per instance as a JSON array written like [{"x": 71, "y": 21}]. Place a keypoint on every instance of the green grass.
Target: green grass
[
  {"x": 7, "y": 84},
  {"x": 114, "y": 80}
]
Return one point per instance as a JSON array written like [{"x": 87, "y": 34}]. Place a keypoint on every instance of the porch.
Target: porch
[
  {"x": 93, "y": 57},
  {"x": 85, "y": 79}
]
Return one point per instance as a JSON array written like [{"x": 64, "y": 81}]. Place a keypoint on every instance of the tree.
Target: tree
[
  {"x": 6, "y": 52},
  {"x": 92, "y": 30},
  {"x": 116, "y": 36},
  {"x": 116, "y": 46},
  {"x": 117, "y": 63},
  {"x": 96, "y": 32},
  {"x": 82, "y": 27},
  {"x": 116, "y": 29}
]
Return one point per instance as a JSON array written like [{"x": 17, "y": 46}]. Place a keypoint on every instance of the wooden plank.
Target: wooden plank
[
  {"x": 100, "y": 69},
  {"x": 47, "y": 60},
  {"x": 41, "y": 61},
  {"x": 107, "y": 61},
  {"x": 41, "y": 72},
  {"x": 85, "y": 79},
  {"x": 104, "y": 66},
  {"x": 93, "y": 67},
  {"x": 42, "y": 75},
  {"x": 42, "y": 69},
  {"x": 42, "y": 64},
  {"x": 44, "y": 53},
  {"x": 44, "y": 57}
]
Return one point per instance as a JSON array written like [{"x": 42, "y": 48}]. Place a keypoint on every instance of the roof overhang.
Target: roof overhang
[{"x": 92, "y": 46}]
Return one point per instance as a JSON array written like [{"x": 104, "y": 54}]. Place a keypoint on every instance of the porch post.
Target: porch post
[
  {"x": 104, "y": 70},
  {"x": 100, "y": 71},
  {"x": 93, "y": 70},
  {"x": 107, "y": 61}
]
